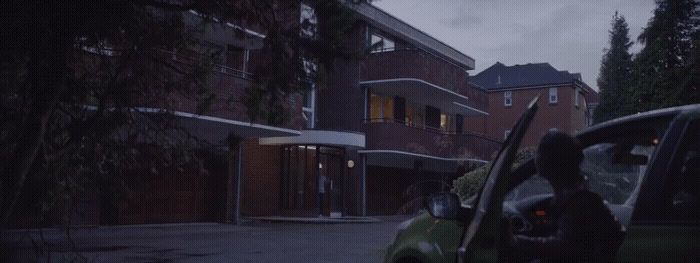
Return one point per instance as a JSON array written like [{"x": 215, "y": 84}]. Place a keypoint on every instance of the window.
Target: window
[
  {"x": 419, "y": 119},
  {"x": 432, "y": 117},
  {"x": 553, "y": 96},
  {"x": 459, "y": 124},
  {"x": 310, "y": 68},
  {"x": 410, "y": 116},
  {"x": 308, "y": 22},
  {"x": 446, "y": 122},
  {"x": 399, "y": 109},
  {"x": 375, "y": 108},
  {"x": 413, "y": 115},
  {"x": 309, "y": 108},
  {"x": 576, "y": 99},
  {"x": 508, "y": 98},
  {"x": 236, "y": 57},
  {"x": 506, "y": 133},
  {"x": 388, "y": 109},
  {"x": 380, "y": 43},
  {"x": 381, "y": 109}
]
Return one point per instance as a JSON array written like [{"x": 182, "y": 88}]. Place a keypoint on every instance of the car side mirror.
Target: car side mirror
[{"x": 447, "y": 205}]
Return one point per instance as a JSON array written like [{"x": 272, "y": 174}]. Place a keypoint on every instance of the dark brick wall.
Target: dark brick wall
[
  {"x": 413, "y": 63},
  {"x": 339, "y": 106},
  {"x": 229, "y": 91},
  {"x": 261, "y": 179}
]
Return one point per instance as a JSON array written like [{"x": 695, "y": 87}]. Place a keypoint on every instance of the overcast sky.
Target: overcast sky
[{"x": 569, "y": 34}]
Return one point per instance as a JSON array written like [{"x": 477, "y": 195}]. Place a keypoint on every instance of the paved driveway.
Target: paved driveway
[{"x": 255, "y": 242}]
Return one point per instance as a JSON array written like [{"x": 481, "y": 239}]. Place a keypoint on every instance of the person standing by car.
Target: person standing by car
[{"x": 586, "y": 230}]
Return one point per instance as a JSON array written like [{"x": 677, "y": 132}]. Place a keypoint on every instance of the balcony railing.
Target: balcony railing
[
  {"x": 390, "y": 135},
  {"x": 412, "y": 63}
]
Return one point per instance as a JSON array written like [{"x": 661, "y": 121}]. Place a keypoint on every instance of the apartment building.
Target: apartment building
[
  {"x": 566, "y": 102},
  {"x": 389, "y": 128}
]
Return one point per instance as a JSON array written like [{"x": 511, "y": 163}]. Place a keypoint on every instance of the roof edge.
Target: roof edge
[{"x": 392, "y": 24}]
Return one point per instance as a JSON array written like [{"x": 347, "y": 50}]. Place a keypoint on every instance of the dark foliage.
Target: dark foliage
[
  {"x": 663, "y": 68},
  {"x": 73, "y": 75}
]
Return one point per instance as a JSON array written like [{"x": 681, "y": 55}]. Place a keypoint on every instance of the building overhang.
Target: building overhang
[
  {"x": 216, "y": 130},
  {"x": 408, "y": 160},
  {"x": 348, "y": 140},
  {"x": 425, "y": 93}
]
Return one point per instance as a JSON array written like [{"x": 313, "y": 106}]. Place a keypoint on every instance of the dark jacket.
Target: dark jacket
[{"x": 586, "y": 231}]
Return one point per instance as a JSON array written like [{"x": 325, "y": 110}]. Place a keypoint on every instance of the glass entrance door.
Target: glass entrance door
[
  {"x": 332, "y": 174},
  {"x": 311, "y": 181}
]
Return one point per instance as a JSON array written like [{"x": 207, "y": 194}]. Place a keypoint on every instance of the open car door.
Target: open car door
[{"x": 481, "y": 237}]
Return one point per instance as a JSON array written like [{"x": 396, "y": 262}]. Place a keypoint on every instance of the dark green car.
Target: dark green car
[{"x": 645, "y": 166}]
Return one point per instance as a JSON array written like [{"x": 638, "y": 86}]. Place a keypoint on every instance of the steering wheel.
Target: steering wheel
[{"x": 530, "y": 215}]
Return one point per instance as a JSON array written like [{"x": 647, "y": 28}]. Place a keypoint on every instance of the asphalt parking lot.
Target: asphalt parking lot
[{"x": 251, "y": 242}]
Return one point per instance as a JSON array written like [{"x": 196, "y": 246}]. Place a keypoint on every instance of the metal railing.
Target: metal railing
[{"x": 220, "y": 68}]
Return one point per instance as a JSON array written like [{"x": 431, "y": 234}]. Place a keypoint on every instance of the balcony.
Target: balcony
[
  {"x": 435, "y": 144},
  {"x": 417, "y": 73}
]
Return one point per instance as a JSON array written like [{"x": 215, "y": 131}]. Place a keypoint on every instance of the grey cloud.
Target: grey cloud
[{"x": 463, "y": 21}]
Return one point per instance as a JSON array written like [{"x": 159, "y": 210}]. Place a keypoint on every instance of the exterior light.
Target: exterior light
[
  {"x": 351, "y": 163},
  {"x": 320, "y": 166}
]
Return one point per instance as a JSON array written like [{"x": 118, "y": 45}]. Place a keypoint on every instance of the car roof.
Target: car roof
[{"x": 640, "y": 117}]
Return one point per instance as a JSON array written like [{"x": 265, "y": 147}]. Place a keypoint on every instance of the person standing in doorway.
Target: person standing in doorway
[{"x": 321, "y": 193}]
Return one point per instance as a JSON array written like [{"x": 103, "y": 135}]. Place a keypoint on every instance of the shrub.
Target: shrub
[{"x": 468, "y": 185}]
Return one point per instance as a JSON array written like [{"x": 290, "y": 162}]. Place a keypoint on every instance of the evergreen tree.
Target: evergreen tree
[
  {"x": 662, "y": 68},
  {"x": 615, "y": 73},
  {"x": 691, "y": 92}
]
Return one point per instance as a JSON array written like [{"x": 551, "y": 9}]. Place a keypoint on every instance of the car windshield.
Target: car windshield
[
  {"x": 615, "y": 179},
  {"x": 535, "y": 185}
]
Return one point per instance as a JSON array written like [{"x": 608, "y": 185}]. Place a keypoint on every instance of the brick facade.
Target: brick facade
[
  {"x": 261, "y": 179},
  {"x": 563, "y": 115}
]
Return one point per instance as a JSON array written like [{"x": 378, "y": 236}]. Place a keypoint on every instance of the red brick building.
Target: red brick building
[
  {"x": 566, "y": 102},
  {"x": 391, "y": 126}
]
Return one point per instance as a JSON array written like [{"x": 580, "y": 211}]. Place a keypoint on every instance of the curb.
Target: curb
[{"x": 318, "y": 220}]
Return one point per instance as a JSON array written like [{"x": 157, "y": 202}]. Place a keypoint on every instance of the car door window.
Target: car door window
[
  {"x": 686, "y": 185},
  {"x": 615, "y": 171}
]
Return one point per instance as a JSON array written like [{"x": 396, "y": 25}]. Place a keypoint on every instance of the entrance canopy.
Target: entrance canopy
[
  {"x": 424, "y": 93},
  {"x": 408, "y": 160},
  {"x": 348, "y": 140},
  {"x": 216, "y": 130}
]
